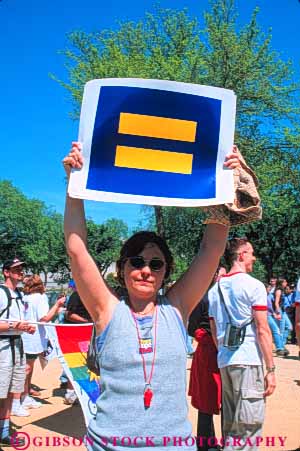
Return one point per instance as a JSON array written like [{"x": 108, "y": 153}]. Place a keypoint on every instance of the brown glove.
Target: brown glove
[{"x": 246, "y": 205}]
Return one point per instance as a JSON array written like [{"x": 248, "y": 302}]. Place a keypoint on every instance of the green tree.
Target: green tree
[
  {"x": 170, "y": 45},
  {"x": 183, "y": 232},
  {"x": 277, "y": 245},
  {"x": 47, "y": 253},
  {"x": 30, "y": 231},
  {"x": 15, "y": 217},
  {"x": 34, "y": 233},
  {"x": 105, "y": 241}
]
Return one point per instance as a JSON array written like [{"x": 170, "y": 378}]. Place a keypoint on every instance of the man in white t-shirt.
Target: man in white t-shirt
[
  {"x": 241, "y": 300},
  {"x": 12, "y": 357},
  {"x": 297, "y": 314}
]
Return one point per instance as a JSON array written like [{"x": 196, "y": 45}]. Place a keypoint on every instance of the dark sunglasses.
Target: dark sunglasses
[
  {"x": 155, "y": 264},
  {"x": 16, "y": 269}
]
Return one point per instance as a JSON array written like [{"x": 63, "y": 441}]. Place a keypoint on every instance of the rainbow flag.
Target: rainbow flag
[{"x": 71, "y": 343}]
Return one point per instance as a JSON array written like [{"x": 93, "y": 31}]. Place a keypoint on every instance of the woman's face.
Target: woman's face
[
  {"x": 144, "y": 283},
  {"x": 284, "y": 283}
]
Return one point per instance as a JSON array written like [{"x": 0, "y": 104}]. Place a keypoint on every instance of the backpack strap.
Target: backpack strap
[
  {"x": 9, "y": 299},
  {"x": 228, "y": 314},
  {"x": 19, "y": 294}
]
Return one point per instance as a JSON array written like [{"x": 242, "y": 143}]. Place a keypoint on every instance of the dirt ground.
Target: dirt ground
[{"x": 55, "y": 421}]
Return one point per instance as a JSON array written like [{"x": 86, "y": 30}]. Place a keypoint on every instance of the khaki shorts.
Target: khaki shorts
[
  {"x": 12, "y": 377},
  {"x": 243, "y": 405}
]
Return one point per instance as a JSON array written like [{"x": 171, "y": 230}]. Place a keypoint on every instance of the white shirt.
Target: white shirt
[
  {"x": 36, "y": 306},
  {"x": 242, "y": 294},
  {"x": 16, "y": 310}
]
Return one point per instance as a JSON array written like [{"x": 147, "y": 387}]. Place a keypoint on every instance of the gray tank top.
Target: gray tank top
[{"x": 122, "y": 422}]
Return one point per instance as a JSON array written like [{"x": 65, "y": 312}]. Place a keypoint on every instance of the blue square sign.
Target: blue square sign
[{"x": 145, "y": 143}]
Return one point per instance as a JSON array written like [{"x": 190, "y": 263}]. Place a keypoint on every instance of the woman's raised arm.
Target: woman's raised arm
[{"x": 97, "y": 297}]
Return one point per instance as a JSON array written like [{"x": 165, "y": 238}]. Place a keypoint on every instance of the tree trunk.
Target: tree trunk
[
  {"x": 159, "y": 221},
  {"x": 45, "y": 278}
]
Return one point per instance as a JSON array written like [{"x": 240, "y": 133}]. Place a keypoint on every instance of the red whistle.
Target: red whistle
[{"x": 148, "y": 395}]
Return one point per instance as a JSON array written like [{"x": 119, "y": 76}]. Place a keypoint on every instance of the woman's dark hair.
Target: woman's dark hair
[
  {"x": 279, "y": 282},
  {"x": 34, "y": 284},
  {"x": 232, "y": 247},
  {"x": 136, "y": 244}
]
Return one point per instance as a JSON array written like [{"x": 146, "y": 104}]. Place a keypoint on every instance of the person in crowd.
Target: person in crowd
[
  {"x": 297, "y": 314},
  {"x": 76, "y": 311},
  {"x": 238, "y": 312},
  {"x": 141, "y": 340},
  {"x": 25, "y": 278},
  {"x": 63, "y": 310},
  {"x": 273, "y": 321},
  {"x": 273, "y": 283},
  {"x": 36, "y": 309},
  {"x": 78, "y": 314},
  {"x": 61, "y": 319},
  {"x": 12, "y": 357},
  {"x": 285, "y": 325},
  {"x": 289, "y": 308},
  {"x": 205, "y": 378}
]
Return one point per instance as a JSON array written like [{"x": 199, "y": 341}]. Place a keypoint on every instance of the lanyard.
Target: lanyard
[{"x": 148, "y": 392}]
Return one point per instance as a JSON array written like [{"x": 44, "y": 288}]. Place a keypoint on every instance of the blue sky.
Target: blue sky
[{"x": 36, "y": 130}]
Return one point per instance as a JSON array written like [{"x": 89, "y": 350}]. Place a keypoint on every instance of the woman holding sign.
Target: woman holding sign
[{"x": 141, "y": 337}]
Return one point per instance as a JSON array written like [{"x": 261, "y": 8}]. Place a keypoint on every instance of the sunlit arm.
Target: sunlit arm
[
  {"x": 264, "y": 337},
  {"x": 213, "y": 330}
]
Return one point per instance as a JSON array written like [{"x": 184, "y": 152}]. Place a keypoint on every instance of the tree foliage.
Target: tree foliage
[
  {"x": 32, "y": 232},
  {"x": 168, "y": 44},
  {"x": 105, "y": 240}
]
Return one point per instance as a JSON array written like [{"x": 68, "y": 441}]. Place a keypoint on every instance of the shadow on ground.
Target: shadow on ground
[
  {"x": 292, "y": 357},
  {"x": 68, "y": 422},
  {"x": 59, "y": 392}
]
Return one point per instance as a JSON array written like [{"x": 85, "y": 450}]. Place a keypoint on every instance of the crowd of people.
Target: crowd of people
[
  {"x": 216, "y": 365},
  {"x": 23, "y": 301},
  {"x": 142, "y": 339},
  {"x": 282, "y": 313}
]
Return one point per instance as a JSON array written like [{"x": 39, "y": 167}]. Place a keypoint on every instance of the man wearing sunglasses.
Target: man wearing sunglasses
[{"x": 12, "y": 357}]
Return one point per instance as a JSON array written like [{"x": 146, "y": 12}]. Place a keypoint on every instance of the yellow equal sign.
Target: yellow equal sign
[
  {"x": 155, "y": 127},
  {"x": 153, "y": 160}
]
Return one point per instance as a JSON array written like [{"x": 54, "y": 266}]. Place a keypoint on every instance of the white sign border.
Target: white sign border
[{"x": 224, "y": 179}]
